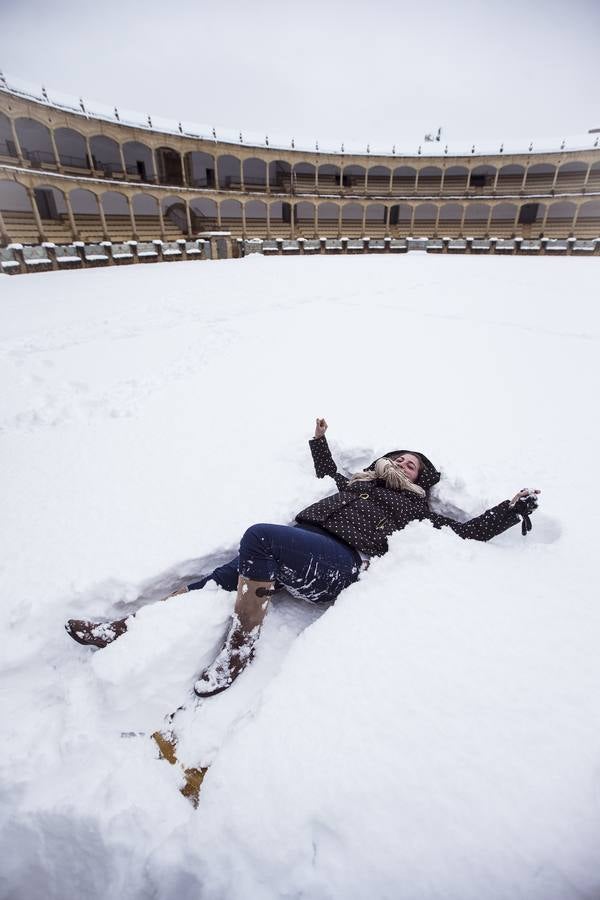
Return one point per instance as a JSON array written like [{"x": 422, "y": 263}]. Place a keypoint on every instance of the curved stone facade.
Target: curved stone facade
[{"x": 67, "y": 176}]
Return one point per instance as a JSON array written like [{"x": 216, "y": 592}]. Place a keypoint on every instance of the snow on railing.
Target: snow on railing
[{"x": 95, "y": 110}]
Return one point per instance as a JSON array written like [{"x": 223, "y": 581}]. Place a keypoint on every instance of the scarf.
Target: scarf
[{"x": 394, "y": 478}]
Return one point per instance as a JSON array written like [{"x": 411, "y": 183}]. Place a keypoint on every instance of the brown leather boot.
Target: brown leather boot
[
  {"x": 238, "y": 649},
  {"x": 99, "y": 634},
  {"x": 96, "y": 634}
]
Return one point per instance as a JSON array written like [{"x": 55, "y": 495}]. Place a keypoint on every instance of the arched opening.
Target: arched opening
[
  {"x": 430, "y": 180},
  {"x": 456, "y": 179},
  {"x": 304, "y": 178},
  {"x": 72, "y": 149},
  {"x": 280, "y": 175},
  {"x": 450, "y": 219},
  {"x": 559, "y": 222},
  {"x": 353, "y": 179},
  {"x": 138, "y": 161},
  {"x": 86, "y": 213},
  {"x": 587, "y": 224},
  {"x": 329, "y": 178},
  {"x": 510, "y": 179},
  {"x": 204, "y": 215},
  {"x": 328, "y": 218},
  {"x": 375, "y": 219},
  {"x": 594, "y": 179},
  {"x": 400, "y": 219},
  {"x": 229, "y": 173},
  {"x": 352, "y": 217},
  {"x": 200, "y": 168},
  {"x": 174, "y": 217},
  {"x": 304, "y": 217},
  {"x": 571, "y": 176},
  {"x": 425, "y": 219},
  {"x": 52, "y": 208},
  {"x": 255, "y": 174},
  {"x": 378, "y": 180},
  {"x": 147, "y": 219},
  {"x": 280, "y": 215},
  {"x": 35, "y": 141},
  {"x": 540, "y": 177},
  {"x": 404, "y": 180},
  {"x": 256, "y": 218},
  {"x": 116, "y": 214},
  {"x": 482, "y": 178},
  {"x": 476, "y": 218},
  {"x": 105, "y": 155},
  {"x": 8, "y": 148},
  {"x": 502, "y": 223},
  {"x": 169, "y": 166},
  {"x": 19, "y": 220},
  {"x": 231, "y": 216}
]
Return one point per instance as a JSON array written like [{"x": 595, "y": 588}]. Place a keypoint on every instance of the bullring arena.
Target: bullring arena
[{"x": 84, "y": 185}]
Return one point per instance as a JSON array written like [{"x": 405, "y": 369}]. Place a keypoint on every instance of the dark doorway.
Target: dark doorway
[
  {"x": 528, "y": 213},
  {"x": 46, "y": 203}
]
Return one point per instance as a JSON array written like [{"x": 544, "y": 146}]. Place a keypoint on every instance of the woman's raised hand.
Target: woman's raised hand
[
  {"x": 320, "y": 428},
  {"x": 526, "y": 492}
]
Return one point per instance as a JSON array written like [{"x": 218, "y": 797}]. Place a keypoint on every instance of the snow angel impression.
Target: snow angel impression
[{"x": 326, "y": 549}]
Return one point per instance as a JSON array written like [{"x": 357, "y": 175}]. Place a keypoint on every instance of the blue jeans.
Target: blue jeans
[{"x": 306, "y": 560}]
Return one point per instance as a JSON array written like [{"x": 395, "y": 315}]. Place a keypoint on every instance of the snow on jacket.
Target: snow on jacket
[{"x": 364, "y": 514}]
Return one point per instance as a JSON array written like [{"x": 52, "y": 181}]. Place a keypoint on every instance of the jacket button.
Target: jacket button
[{"x": 364, "y": 496}]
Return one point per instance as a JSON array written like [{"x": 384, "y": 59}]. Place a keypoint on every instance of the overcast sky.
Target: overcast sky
[{"x": 382, "y": 72}]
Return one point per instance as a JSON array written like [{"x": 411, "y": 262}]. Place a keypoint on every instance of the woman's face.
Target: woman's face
[{"x": 409, "y": 464}]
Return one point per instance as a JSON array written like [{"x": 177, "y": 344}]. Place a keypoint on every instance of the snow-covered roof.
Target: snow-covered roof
[{"x": 92, "y": 109}]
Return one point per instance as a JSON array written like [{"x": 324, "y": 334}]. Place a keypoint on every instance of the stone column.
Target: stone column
[
  {"x": 495, "y": 188},
  {"x": 522, "y": 188},
  {"x": 243, "y": 205},
  {"x": 218, "y": 215},
  {"x": 55, "y": 150},
  {"x": 88, "y": 150},
  {"x": 242, "y": 182},
  {"x": 122, "y": 158},
  {"x": 545, "y": 219},
  {"x": 437, "y": 219},
  {"x": 316, "y": 221},
  {"x": 17, "y": 143},
  {"x": 292, "y": 220},
  {"x": 217, "y": 186},
  {"x": 72, "y": 223},
  {"x": 366, "y": 179},
  {"x": 132, "y": 219},
  {"x": 161, "y": 220},
  {"x": 102, "y": 219},
  {"x": 391, "y": 184},
  {"x": 268, "y": 220},
  {"x": 188, "y": 217},
  {"x": 587, "y": 177},
  {"x": 36, "y": 214},
  {"x": 340, "y": 220},
  {"x": 155, "y": 165},
  {"x": 184, "y": 179},
  {"x": 462, "y": 220},
  {"x": 417, "y": 181},
  {"x": 316, "y": 177},
  {"x": 412, "y": 219},
  {"x": 4, "y": 235},
  {"x": 442, "y": 181},
  {"x": 554, "y": 179},
  {"x": 268, "y": 179},
  {"x": 516, "y": 218},
  {"x": 364, "y": 220}
]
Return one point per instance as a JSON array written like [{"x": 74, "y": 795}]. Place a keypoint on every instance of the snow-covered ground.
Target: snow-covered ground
[{"x": 436, "y": 733}]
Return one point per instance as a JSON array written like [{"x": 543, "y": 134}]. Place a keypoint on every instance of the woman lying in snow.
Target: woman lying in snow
[{"x": 325, "y": 551}]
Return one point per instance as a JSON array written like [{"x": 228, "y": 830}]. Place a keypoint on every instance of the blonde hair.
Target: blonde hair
[{"x": 394, "y": 478}]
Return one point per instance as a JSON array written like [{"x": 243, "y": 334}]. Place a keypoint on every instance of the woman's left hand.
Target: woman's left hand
[{"x": 526, "y": 492}]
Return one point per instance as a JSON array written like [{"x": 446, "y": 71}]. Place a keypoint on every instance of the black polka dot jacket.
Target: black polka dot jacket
[{"x": 364, "y": 514}]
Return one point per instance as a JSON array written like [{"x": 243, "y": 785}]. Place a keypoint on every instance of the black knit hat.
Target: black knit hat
[{"x": 428, "y": 476}]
